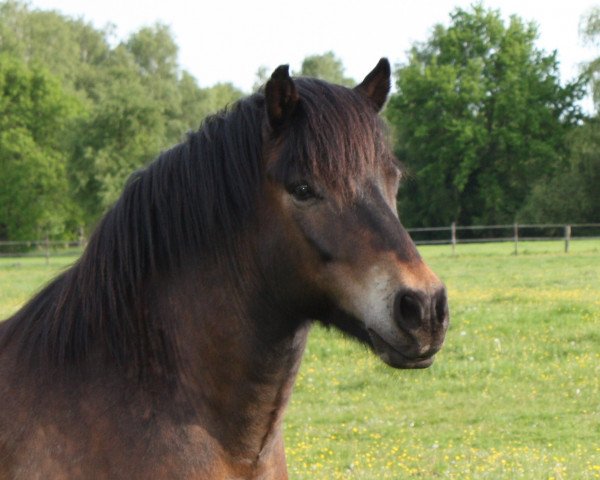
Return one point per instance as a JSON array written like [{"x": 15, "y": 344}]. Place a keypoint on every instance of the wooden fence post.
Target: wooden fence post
[
  {"x": 516, "y": 236},
  {"x": 567, "y": 237},
  {"x": 453, "y": 230}
]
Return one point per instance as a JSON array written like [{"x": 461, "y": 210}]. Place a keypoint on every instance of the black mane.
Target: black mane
[{"x": 192, "y": 200}]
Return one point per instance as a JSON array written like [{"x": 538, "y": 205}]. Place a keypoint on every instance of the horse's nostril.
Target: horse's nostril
[
  {"x": 441, "y": 305},
  {"x": 414, "y": 309},
  {"x": 409, "y": 309}
]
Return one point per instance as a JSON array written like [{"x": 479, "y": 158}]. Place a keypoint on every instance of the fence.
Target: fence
[
  {"x": 452, "y": 235},
  {"x": 41, "y": 248},
  {"x": 515, "y": 233}
]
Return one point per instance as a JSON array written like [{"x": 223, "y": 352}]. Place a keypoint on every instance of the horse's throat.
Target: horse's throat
[
  {"x": 271, "y": 394},
  {"x": 269, "y": 399},
  {"x": 243, "y": 390},
  {"x": 238, "y": 364}
]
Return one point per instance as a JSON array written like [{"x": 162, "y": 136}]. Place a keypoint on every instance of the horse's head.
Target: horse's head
[{"x": 338, "y": 249}]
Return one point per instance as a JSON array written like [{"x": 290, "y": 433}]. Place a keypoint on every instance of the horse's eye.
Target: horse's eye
[{"x": 303, "y": 192}]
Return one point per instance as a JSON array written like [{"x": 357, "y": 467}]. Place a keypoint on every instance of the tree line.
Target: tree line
[
  {"x": 487, "y": 130},
  {"x": 479, "y": 117}
]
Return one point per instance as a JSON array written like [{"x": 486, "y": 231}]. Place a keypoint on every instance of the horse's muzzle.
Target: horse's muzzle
[{"x": 422, "y": 320}]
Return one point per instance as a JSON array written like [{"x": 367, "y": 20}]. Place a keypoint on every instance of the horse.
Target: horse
[{"x": 170, "y": 348}]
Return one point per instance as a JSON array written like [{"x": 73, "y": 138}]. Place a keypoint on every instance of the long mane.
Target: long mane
[{"x": 193, "y": 200}]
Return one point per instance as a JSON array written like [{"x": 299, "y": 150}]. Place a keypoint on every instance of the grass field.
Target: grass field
[{"x": 515, "y": 393}]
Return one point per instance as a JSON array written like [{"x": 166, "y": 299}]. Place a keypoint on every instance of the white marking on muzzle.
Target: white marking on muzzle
[{"x": 371, "y": 299}]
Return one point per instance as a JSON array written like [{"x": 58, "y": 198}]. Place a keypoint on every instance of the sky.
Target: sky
[{"x": 228, "y": 40}]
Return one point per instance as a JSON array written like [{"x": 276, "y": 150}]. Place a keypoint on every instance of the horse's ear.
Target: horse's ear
[
  {"x": 281, "y": 97},
  {"x": 376, "y": 84}
]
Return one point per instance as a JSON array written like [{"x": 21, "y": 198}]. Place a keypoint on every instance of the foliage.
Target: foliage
[
  {"x": 326, "y": 67},
  {"x": 260, "y": 78},
  {"x": 134, "y": 102},
  {"x": 572, "y": 194},
  {"x": 68, "y": 48},
  {"x": 218, "y": 96},
  {"x": 479, "y": 116},
  {"x": 122, "y": 132},
  {"x": 35, "y": 118},
  {"x": 590, "y": 32},
  {"x": 480, "y": 119}
]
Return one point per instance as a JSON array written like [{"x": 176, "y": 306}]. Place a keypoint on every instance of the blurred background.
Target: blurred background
[{"x": 494, "y": 108}]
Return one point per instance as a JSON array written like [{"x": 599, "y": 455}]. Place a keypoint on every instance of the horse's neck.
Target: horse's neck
[{"x": 236, "y": 368}]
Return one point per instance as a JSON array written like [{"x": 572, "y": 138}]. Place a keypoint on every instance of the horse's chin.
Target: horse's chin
[{"x": 393, "y": 357}]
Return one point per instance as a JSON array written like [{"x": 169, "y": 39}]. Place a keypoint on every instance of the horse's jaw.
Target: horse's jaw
[{"x": 395, "y": 358}]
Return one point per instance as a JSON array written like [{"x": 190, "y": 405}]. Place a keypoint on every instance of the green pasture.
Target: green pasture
[{"x": 515, "y": 393}]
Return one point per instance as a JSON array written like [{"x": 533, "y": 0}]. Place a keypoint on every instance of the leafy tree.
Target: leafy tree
[
  {"x": 155, "y": 51},
  {"x": 572, "y": 194},
  {"x": 35, "y": 118},
  {"x": 326, "y": 67},
  {"x": 261, "y": 77},
  {"x": 68, "y": 48},
  {"x": 197, "y": 103},
  {"x": 590, "y": 32},
  {"x": 132, "y": 101},
  {"x": 218, "y": 96},
  {"x": 480, "y": 116},
  {"x": 143, "y": 104},
  {"x": 123, "y": 130}
]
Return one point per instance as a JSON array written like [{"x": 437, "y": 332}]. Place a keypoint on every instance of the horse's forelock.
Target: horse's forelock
[{"x": 337, "y": 138}]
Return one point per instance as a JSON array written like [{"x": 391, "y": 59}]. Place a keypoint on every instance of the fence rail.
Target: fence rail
[
  {"x": 450, "y": 235},
  {"x": 41, "y": 248},
  {"x": 515, "y": 233}
]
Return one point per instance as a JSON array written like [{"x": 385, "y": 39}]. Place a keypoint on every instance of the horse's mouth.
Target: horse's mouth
[{"x": 395, "y": 358}]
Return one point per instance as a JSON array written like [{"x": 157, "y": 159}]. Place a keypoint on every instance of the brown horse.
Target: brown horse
[{"x": 169, "y": 350}]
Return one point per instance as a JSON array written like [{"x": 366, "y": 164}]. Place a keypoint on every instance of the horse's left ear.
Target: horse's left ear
[
  {"x": 376, "y": 84},
  {"x": 281, "y": 97}
]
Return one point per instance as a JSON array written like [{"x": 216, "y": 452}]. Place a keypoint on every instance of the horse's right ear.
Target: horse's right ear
[
  {"x": 281, "y": 97},
  {"x": 376, "y": 85}
]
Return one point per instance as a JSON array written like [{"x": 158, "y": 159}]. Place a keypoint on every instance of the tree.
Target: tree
[
  {"x": 590, "y": 33},
  {"x": 35, "y": 118},
  {"x": 143, "y": 104},
  {"x": 326, "y": 67},
  {"x": 218, "y": 96},
  {"x": 155, "y": 51},
  {"x": 572, "y": 194},
  {"x": 68, "y": 48},
  {"x": 261, "y": 76},
  {"x": 123, "y": 130},
  {"x": 480, "y": 116},
  {"x": 128, "y": 102}
]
